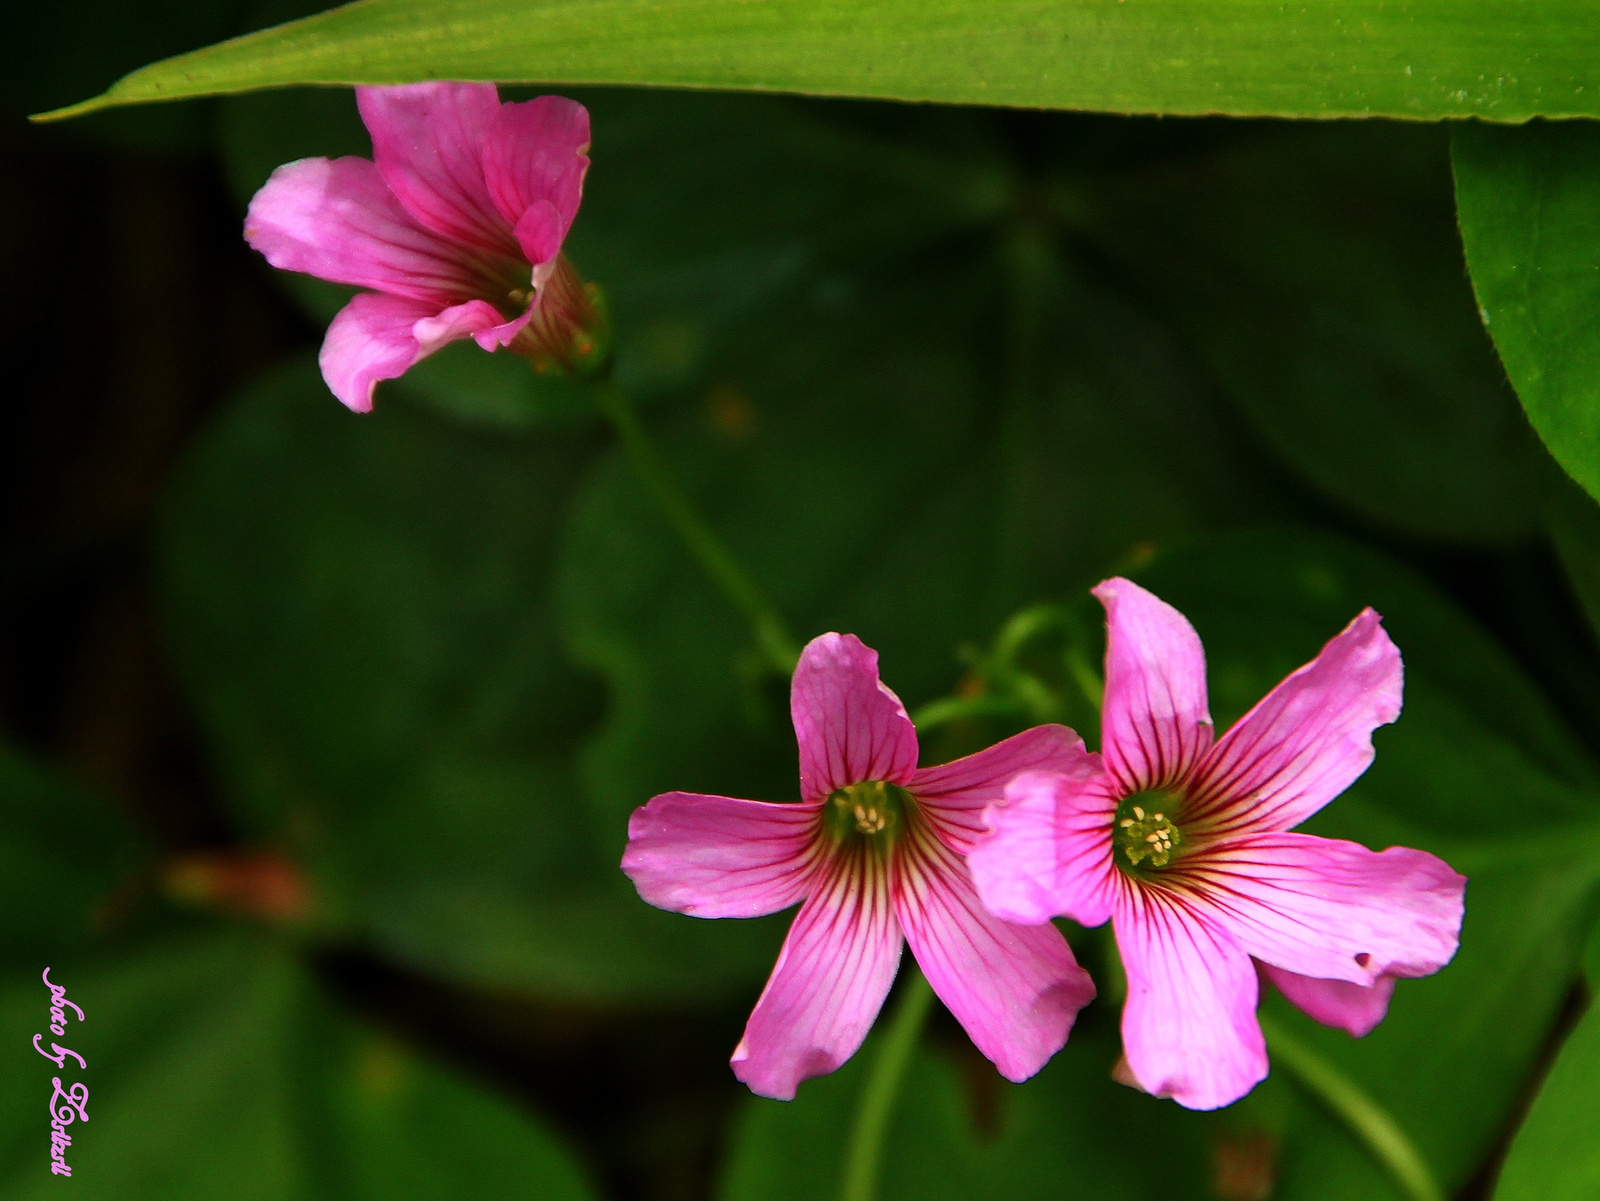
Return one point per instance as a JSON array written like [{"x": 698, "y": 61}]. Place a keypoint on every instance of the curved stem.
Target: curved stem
[
  {"x": 865, "y": 1150},
  {"x": 772, "y": 633},
  {"x": 1370, "y": 1122},
  {"x": 954, "y": 708}
]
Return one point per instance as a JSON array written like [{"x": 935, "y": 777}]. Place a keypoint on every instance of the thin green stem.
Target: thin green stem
[
  {"x": 954, "y": 708},
  {"x": 772, "y": 633},
  {"x": 1370, "y": 1122},
  {"x": 864, "y": 1154}
]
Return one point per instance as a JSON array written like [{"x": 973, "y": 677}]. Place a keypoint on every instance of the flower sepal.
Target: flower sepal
[{"x": 569, "y": 330}]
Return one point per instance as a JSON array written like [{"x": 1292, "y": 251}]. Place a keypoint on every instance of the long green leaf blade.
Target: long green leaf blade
[{"x": 1423, "y": 59}]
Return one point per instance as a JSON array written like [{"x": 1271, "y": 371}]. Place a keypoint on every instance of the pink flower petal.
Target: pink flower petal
[
  {"x": 1189, "y": 1028},
  {"x": 1015, "y": 989},
  {"x": 849, "y": 726},
  {"x": 1307, "y": 740},
  {"x": 1155, "y": 724},
  {"x": 369, "y": 340},
  {"x": 1336, "y": 1003},
  {"x": 536, "y": 151},
  {"x": 830, "y": 980},
  {"x": 1049, "y": 852},
  {"x": 496, "y": 336},
  {"x": 427, "y": 141},
  {"x": 540, "y": 232},
  {"x": 956, "y": 794},
  {"x": 714, "y": 856},
  {"x": 336, "y": 219},
  {"x": 469, "y": 320},
  {"x": 1331, "y": 909}
]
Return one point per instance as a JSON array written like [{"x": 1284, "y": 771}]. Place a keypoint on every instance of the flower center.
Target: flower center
[
  {"x": 1142, "y": 832},
  {"x": 873, "y": 810}
]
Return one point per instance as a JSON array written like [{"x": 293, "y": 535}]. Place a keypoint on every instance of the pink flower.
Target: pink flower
[
  {"x": 1185, "y": 846},
  {"x": 875, "y": 849},
  {"x": 456, "y": 223}
]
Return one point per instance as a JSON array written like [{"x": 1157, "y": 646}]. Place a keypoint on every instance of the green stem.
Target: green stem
[
  {"x": 772, "y": 633},
  {"x": 954, "y": 708},
  {"x": 865, "y": 1151},
  {"x": 1382, "y": 1136}
]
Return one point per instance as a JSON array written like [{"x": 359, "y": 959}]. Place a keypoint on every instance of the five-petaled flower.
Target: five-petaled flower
[
  {"x": 1185, "y": 846},
  {"x": 875, "y": 850},
  {"x": 456, "y": 223}
]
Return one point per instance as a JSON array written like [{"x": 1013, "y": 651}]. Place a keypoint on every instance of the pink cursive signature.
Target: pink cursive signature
[
  {"x": 67, "y": 1105},
  {"x": 58, "y": 1025},
  {"x": 73, "y": 1107}
]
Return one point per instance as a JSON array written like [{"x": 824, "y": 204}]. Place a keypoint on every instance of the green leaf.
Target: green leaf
[
  {"x": 359, "y": 609},
  {"x": 1318, "y": 273},
  {"x": 214, "y": 1068},
  {"x": 1472, "y": 770},
  {"x": 1574, "y": 520},
  {"x": 959, "y": 1131},
  {"x": 65, "y": 855},
  {"x": 1424, "y": 59},
  {"x": 1555, "y": 1156},
  {"x": 1529, "y": 204}
]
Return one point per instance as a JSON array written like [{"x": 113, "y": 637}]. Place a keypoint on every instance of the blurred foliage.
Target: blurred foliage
[
  {"x": 1318, "y": 273},
  {"x": 950, "y": 1139},
  {"x": 1554, "y": 1153},
  {"x": 214, "y": 1066},
  {"x": 930, "y": 372}
]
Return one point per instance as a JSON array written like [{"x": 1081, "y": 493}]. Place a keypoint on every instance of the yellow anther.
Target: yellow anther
[
  {"x": 873, "y": 807},
  {"x": 1146, "y": 837}
]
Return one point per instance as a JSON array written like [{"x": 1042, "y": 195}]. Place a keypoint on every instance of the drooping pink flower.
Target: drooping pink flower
[
  {"x": 456, "y": 223},
  {"x": 875, "y": 850},
  {"x": 1184, "y": 845}
]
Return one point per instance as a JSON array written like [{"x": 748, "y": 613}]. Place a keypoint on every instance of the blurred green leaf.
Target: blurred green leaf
[
  {"x": 215, "y": 1069},
  {"x": 64, "y": 855},
  {"x": 1530, "y": 218},
  {"x": 1574, "y": 525},
  {"x": 1425, "y": 59},
  {"x": 878, "y": 468},
  {"x": 963, "y": 1132},
  {"x": 1318, "y": 272},
  {"x": 359, "y": 607},
  {"x": 1474, "y": 770}
]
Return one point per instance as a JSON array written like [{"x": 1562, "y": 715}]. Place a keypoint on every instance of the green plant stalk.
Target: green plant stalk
[
  {"x": 864, "y": 1152},
  {"x": 955, "y": 708},
  {"x": 1377, "y": 1131},
  {"x": 771, "y": 632}
]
